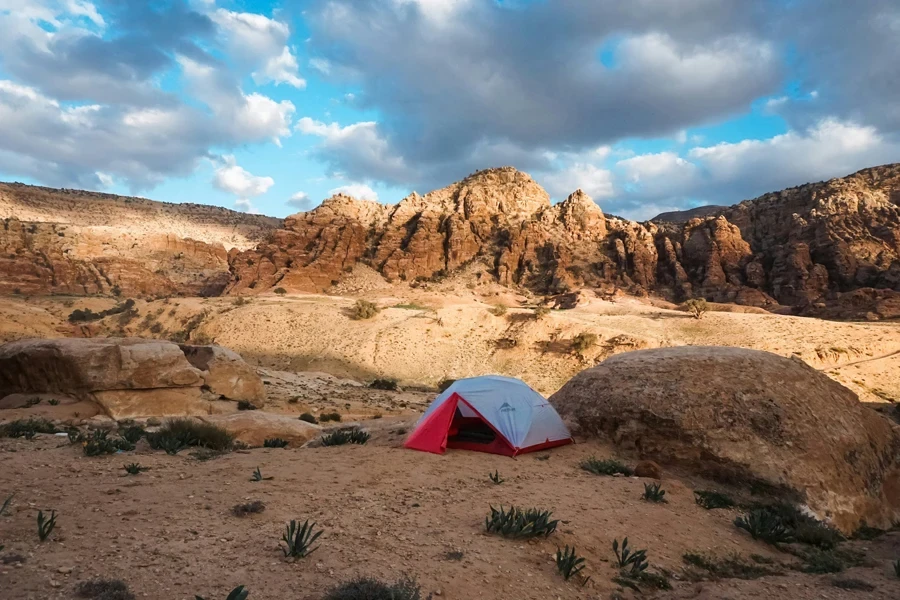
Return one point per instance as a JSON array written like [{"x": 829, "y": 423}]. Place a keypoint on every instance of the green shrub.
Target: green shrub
[
  {"x": 248, "y": 508},
  {"x": 280, "y": 291},
  {"x": 712, "y": 500},
  {"x": 584, "y": 341},
  {"x": 731, "y": 567},
  {"x": 53, "y": 402},
  {"x": 45, "y": 525},
  {"x": 135, "y": 469},
  {"x": 832, "y": 560},
  {"x": 568, "y": 563},
  {"x": 103, "y": 589},
  {"x": 540, "y": 312},
  {"x": 366, "y": 588},
  {"x": 27, "y": 428},
  {"x": 495, "y": 477},
  {"x": 786, "y": 523},
  {"x": 257, "y": 476},
  {"x": 275, "y": 443},
  {"x": 385, "y": 384},
  {"x": 299, "y": 540},
  {"x": 332, "y": 416},
  {"x": 81, "y": 316},
  {"x": 363, "y": 309},
  {"x": 764, "y": 525},
  {"x": 345, "y": 436},
  {"x": 309, "y": 418},
  {"x": 633, "y": 560},
  {"x": 99, "y": 443},
  {"x": 132, "y": 433},
  {"x": 520, "y": 523},
  {"x": 606, "y": 467},
  {"x": 245, "y": 405},
  {"x": 177, "y": 434},
  {"x": 653, "y": 492}
]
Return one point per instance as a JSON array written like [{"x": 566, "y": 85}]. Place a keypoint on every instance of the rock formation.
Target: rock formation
[
  {"x": 129, "y": 377},
  {"x": 746, "y": 417},
  {"x": 799, "y": 247}
]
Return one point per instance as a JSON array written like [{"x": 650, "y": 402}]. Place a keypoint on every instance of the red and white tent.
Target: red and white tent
[{"x": 500, "y": 415}]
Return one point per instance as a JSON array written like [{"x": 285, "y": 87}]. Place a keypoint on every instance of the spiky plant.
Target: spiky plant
[
  {"x": 299, "y": 539},
  {"x": 257, "y": 476},
  {"x": 896, "y": 564},
  {"x": 103, "y": 589},
  {"x": 518, "y": 523},
  {"x": 711, "y": 500},
  {"x": 238, "y": 593},
  {"x": 366, "y": 588},
  {"x": 6, "y": 504},
  {"x": 568, "y": 563},
  {"x": 633, "y": 560},
  {"x": 275, "y": 443},
  {"x": 346, "y": 436},
  {"x": 100, "y": 443},
  {"x": 653, "y": 492},
  {"x": 765, "y": 525},
  {"x": 45, "y": 525},
  {"x": 135, "y": 469},
  {"x": 606, "y": 467},
  {"x": 53, "y": 402},
  {"x": 133, "y": 433},
  {"x": 495, "y": 477}
]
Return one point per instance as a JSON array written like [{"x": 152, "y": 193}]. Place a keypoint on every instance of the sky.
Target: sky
[{"x": 272, "y": 106}]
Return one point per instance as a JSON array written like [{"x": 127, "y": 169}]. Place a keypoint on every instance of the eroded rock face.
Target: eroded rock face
[
  {"x": 797, "y": 247},
  {"x": 746, "y": 416},
  {"x": 129, "y": 377},
  {"x": 226, "y": 374}
]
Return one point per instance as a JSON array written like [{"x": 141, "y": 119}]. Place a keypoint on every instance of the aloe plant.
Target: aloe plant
[
  {"x": 635, "y": 560},
  {"x": 568, "y": 563},
  {"x": 495, "y": 477},
  {"x": 238, "y": 593},
  {"x": 135, "y": 469},
  {"x": 519, "y": 523},
  {"x": 653, "y": 492},
  {"x": 45, "y": 525},
  {"x": 299, "y": 539},
  {"x": 257, "y": 476}
]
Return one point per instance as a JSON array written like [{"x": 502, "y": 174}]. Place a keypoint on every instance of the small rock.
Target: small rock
[
  {"x": 64, "y": 570},
  {"x": 648, "y": 469}
]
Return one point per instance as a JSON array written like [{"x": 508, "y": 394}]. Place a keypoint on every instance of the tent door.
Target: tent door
[{"x": 476, "y": 433}]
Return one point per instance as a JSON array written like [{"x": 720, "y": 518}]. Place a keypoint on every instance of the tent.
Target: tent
[{"x": 500, "y": 415}]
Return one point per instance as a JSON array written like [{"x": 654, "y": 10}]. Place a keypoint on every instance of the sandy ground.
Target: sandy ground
[
  {"x": 385, "y": 511},
  {"x": 421, "y": 337}
]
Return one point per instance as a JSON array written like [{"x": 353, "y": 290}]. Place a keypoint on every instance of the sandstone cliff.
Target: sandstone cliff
[{"x": 800, "y": 247}]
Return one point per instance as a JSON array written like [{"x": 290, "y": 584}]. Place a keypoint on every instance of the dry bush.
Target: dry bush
[
  {"x": 363, "y": 309},
  {"x": 697, "y": 307}
]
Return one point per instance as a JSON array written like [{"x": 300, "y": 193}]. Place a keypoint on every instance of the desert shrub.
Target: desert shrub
[
  {"x": 346, "y": 436},
  {"x": 584, "y": 341},
  {"x": 156, "y": 328},
  {"x": 246, "y": 405},
  {"x": 248, "y": 508},
  {"x": 80, "y": 316},
  {"x": 309, "y": 418},
  {"x": 606, "y": 467},
  {"x": 280, "y": 291},
  {"x": 443, "y": 384},
  {"x": 626, "y": 558},
  {"x": 653, "y": 492},
  {"x": 495, "y": 477},
  {"x": 46, "y": 525},
  {"x": 53, "y": 402},
  {"x": 99, "y": 443},
  {"x": 299, "y": 539},
  {"x": 853, "y": 584},
  {"x": 6, "y": 504},
  {"x": 275, "y": 443},
  {"x": 540, "y": 312},
  {"x": 498, "y": 310},
  {"x": 520, "y": 523},
  {"x": 133, "y": 433},
  {"x": 385, "y": 384},
  {"x": 764, "y": 525},
  {"x": 332, "y": 416},
  {"x": 731, "y": 567},
  {"x": 868, "y": 533},
  {"x": 116, "y": 291},
  {"x": 366, "y": 588},
  {"x": 831, "y": 560},
  {"x": 103, "y": 589},
  {"x": 177, "y": 434},
  {"x": 697, "y": 307},
  {"x": 258, "y": 476},
  {"x": 454, "y": 555},
  {"x": 32, "y": 402},
  {"x": 712, "y": 500},
  {"x": 363, "y": 309},
  {"x": 240, "y": 301},
  {"x": 799, "y": 527},
  {"x": 568, "y": 563},
  {"x": 238, "y": 593},
  {"x": 27, "y": 428},
  {"x": 135, "y": 469},
  {"x": 293, "y": 399}
]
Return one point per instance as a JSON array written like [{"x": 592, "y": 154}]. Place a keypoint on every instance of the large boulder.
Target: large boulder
[
  {"x": 226, "y": 374},
  {"x": 253, "y": 427},
  {"x": 747, "y": 417},
  {"x": 79, "y": 365}
]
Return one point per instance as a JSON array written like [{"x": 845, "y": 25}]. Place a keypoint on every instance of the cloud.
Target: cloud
[
  {"x": 596, "y": 182},
  {"x": 356, "y": 190},
  {"x": 234, "y": 179},
  {"x": 301, "y": 201}
]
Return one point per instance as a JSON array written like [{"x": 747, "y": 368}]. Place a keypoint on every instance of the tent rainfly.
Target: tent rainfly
[{"x": 500, "y": 415}]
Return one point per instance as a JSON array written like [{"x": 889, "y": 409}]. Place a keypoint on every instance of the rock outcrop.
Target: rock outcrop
[
  {"x": 128, "y": 377},
  {"x": 747, "y": 417},
  {"x": 798, "y": 247},
  {"x": 254, "y": 427}
]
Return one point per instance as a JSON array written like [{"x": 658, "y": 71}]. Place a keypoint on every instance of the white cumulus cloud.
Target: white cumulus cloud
[
  {"x": 357, "y": 190},
  {"x": 234, "y": 179}
]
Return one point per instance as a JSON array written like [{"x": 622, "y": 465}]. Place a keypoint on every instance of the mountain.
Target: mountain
[
  {"x": 813, "y": 247},
  {"x": 683, "y": 216},
  {"x": 76, "y": 242}
]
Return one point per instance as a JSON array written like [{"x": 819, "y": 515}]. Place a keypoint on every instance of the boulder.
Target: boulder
[
  {"x": 226, "y": 374},
  {"x": 746, "y": 417},
  {"x": 77, "y": 365},
  {"x": 253, "y": 427},
  {"x": 160, "y": 402}
]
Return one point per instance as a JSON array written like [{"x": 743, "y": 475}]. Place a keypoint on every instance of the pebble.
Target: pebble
[{"x": 64, "y": 570}]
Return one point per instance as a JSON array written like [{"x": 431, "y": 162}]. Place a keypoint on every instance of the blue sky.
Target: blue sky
[{"x": 649, "y": 105}]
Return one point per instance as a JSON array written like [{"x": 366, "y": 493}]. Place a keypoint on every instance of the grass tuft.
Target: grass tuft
[
  {"x": 520, "y": 523},
  {"x": 568, "y": 563},
  {"x": 367, "y": 588},
  {"x": 299, "y": 539},
  {"x": 653, "y": 492},
  {"x": 346, "y": 436},
  {"x": 178, "y": 434},
  {"x": 606, "y": 467},
  {"x": 711, "y": 500},
  {"x": 103, "y": 589},
  {"x": 248, "y": 508}
]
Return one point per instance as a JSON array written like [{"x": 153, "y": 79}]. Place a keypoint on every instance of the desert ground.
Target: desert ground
[{"x": 385, "y": 511}]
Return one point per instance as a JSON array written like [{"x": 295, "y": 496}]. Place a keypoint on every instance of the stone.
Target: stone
[
  {"x": 648, "y": 469},
  {"x": 159, "y": 402},
  {"x": 226, "y": 374},
  {"x": 745, "y": 417},
  {"x": 253, "y": 427},
  {"x": 77, "y": 366}
]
